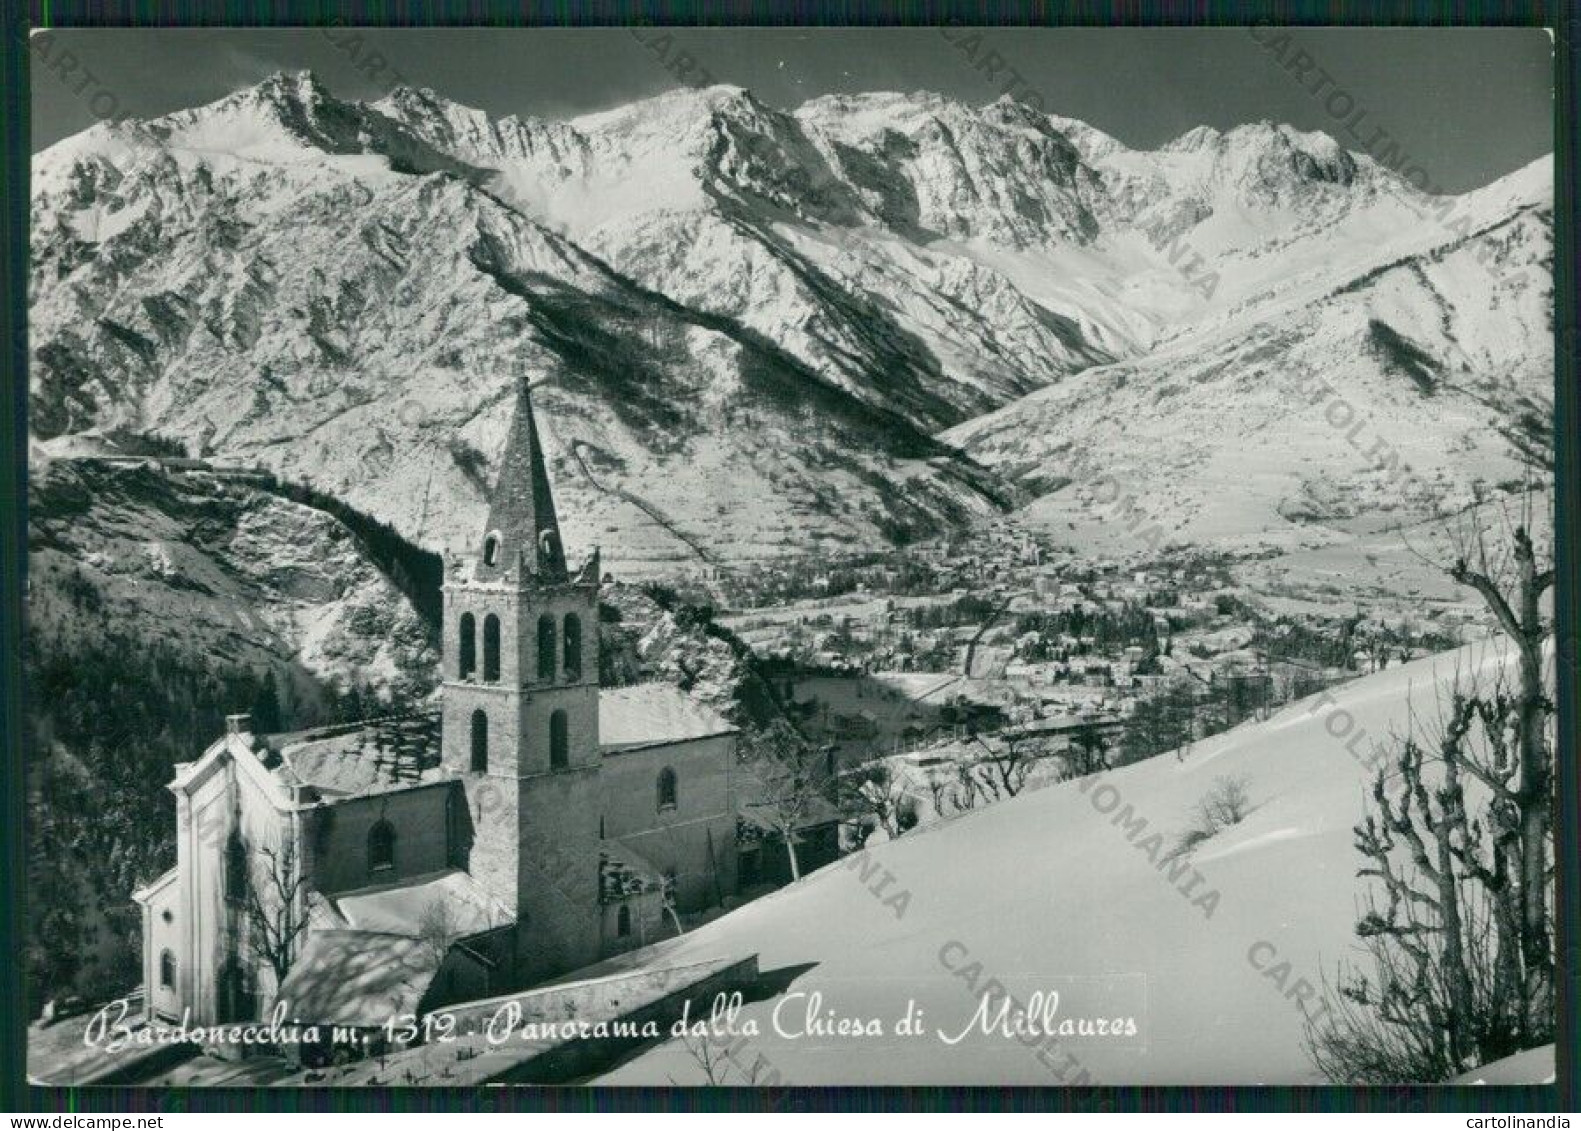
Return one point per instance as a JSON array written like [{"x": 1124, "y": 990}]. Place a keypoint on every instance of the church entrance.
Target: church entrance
[{"x": 237, "y": 1001}]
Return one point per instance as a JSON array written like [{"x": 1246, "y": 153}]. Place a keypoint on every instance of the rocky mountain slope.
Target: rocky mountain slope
[
  {"x": 753, "y": 324},
  {"x": 223, "y": 573}
]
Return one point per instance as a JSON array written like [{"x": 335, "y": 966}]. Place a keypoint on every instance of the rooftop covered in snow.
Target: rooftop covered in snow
[
  {"x": 359, "y": 759},
  {"x": 404, "y": 908},
  {"x": 654, "y": 714}
]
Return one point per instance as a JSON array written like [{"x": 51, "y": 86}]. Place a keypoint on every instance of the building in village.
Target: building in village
[{"x": 535, "y": 825}]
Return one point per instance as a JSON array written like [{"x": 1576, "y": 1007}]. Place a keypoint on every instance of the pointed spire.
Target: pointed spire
[{"x": 523, "y": 534}]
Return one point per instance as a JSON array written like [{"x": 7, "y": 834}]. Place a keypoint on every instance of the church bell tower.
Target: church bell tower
[{"x": 520, "y": 721}]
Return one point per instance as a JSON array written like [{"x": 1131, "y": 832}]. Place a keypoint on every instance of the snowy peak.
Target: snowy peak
[
  {"x": 934, "y": 167},
  {"x": 1194, "y": 140},
  {"x": 471, "y": 135},
  {"x": 1268, "y": 154},
  {"x": 1264, "y": 165},
  {"x": 284, "y": 115},
  {"x": 1093, "y": 144}
]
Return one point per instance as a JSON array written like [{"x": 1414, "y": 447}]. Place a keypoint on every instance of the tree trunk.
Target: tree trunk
[
  {"x": 1463, "y": 1005},
  {"x": 1534, "y": 798},
  {"x": 790, "y": 850}
]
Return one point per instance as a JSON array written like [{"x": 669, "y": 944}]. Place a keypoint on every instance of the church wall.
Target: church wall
[
  {"x": 698, "y": 837},
  {"x": 558, "y": 906},
  {"x": 162, "y": 931},
  {"x": 338, "y": 838},
  {"x": 213, "y": 922},
  {"x": 647, "y": 923},
  {"x": 489, "y": 835},
  {"x": 460, "y": 977}
]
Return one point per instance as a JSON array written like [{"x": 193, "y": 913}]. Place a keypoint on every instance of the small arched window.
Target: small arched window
[
  {"x": 480, "y": 742},
  {"x": 622, "y": 921},
  {"x": 167, "y": 969},
  {"x": 491, "y": 550},
  {"x": 491, "y": 649},
  {"x": 235, "y": 868},
  {"x": 573, "y": 645},
  {"x": 669, "y": 788},
  {"x": 559, "y": 740},
  {"x": 381, "y": 847},
  {"x": 467, "y": 646},
  {"x": 546, "y": 655}
]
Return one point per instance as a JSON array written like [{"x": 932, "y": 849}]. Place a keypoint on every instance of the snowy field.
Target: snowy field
[{"x": 1059, "y": 890}]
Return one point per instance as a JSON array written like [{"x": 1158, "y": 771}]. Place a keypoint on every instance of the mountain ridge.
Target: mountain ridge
[{"x": 342, "y": 290}]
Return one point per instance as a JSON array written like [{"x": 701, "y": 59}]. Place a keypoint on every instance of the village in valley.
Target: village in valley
[{"x": 954, "y": 672}]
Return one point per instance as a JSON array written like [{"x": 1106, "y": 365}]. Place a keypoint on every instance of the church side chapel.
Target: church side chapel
[{"x": 536, "y": 825}]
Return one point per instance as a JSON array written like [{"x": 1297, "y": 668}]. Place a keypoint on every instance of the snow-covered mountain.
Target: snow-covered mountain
[
  {"x": 1326, "y": 406},
  {"x": 755, "y": 322}
]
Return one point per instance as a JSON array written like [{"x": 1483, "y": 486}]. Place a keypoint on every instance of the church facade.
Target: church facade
[{"x": 533, "y": 826}]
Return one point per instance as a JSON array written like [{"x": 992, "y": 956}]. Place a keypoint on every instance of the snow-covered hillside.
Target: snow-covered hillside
[
  {"x": 1068, "y": 889},
  {"x": 220, "y": 573},
  {"x": 755, "y": 321}
]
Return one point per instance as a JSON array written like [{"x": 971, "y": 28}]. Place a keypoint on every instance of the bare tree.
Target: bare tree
[
  {"x": 1458, "y": 843},
  {"x": 966, "y": 788},
  {"x": 1226, "y": 803},
  {"x": 941, "y": 790},
  {"x": 715, "y": 1065},
  {"x": 438, "y": 929},
  {"x": 1087, "y": 753},
  {"x": 275, "y": 903},
  {"x": 874, "y": 792},
  {"x": 787, "y": 782},
  {"x": 1513, "y": 590},
  {"x": 1513, "y": 576},
  {"x": 1004, "y": 765},
  {"x": 719, "y": 1064},
  {"x": 1448, "y": 989}
]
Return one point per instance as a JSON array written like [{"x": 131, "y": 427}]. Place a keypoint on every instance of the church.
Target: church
[{"x": 535, "y": 825}]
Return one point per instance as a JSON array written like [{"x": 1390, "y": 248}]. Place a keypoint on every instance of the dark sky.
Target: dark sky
[{"x": 1468, "y": 105}]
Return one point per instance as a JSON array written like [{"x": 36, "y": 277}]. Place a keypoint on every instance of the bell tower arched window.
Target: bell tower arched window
[
  {"x": 491, "y": 649},
  {"x": 573, "y": 646},
  {"x": 546, "y": 656},
  {"x": 491, "y": 550},
  {"x": 669, "y": 789},
  {"x": 381, "y": 847},
  {"x": 480, "y": 742},
  {"x": 467, "y": 646},
  {"x": 167, "y": 969},
  {"x": 559, "y": 740}
]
